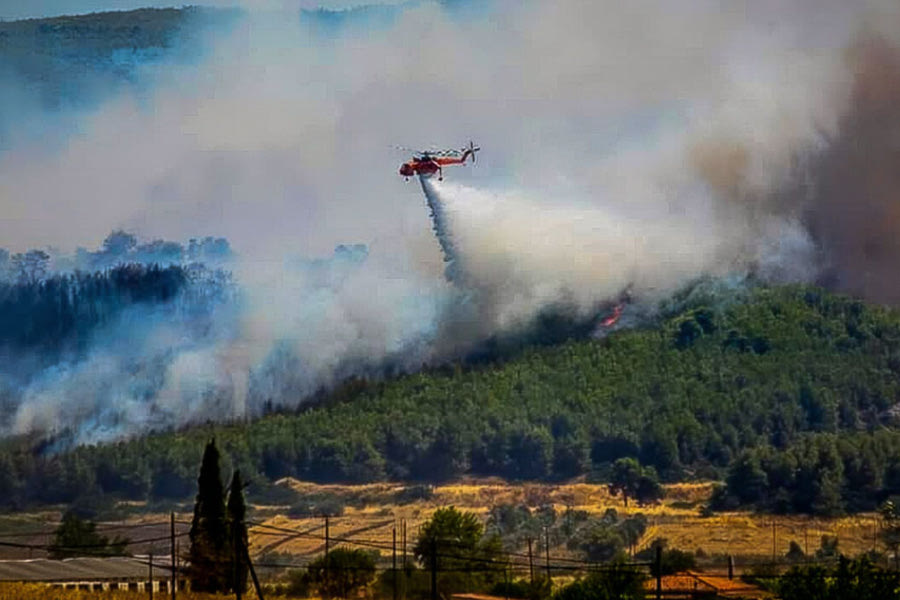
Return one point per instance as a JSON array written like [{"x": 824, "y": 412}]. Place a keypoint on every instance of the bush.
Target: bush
[
  {"x": 77, "y": 537},
  {"x": 674, "y": 561},
  {"x": 850, "y": 580},
  {"x": 764, "y": 576},
  {"x": 828, "y": 548},
  {"x": 795, "y": 552},
  {"x": 317, "y": 507},
  {"x": 414, "y": 493},
  {"x": 617, "y": 583},
  {"x": 348, "y": 571},
  {"x": 264, "y": 492},
  {"x": 538, "y": 590},
  {"x": 299, "y": 583}
]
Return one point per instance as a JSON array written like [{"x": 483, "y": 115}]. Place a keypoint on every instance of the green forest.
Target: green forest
[{"x": 786, "y": 394}]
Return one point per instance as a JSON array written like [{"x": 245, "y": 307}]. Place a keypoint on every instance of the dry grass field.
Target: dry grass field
[{"x": 372, "y": 511}]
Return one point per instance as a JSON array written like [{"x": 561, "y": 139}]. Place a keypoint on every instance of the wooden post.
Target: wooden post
[
  {"x": 774, "y": 549},
  {"x": 874, "y": 535},
  {"x": 151, "y": 576},
  {"x": 174, "y": 554},
  {"x": 327, "y": 543},
  {"x": 394, "y": 561},
  {"x": 405, "y": 574},
  {"x": 506, "y": 578},
  {"x": 730, "y": 566},
  {"x": 547, "y": 553},
  {"x": 530, "y": 562},
  {"x": 256, "y": 585}
]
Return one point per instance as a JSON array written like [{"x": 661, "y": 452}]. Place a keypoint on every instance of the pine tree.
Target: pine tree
[
  {"x": 76, "y": 537},
  {"x": 210, "y": 554},
  {"x": 237, "y": 509}
]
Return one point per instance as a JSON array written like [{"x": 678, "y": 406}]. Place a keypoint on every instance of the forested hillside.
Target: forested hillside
[
  {"x": 78, "y": 60},
  {"x": 789, "y": 394},
  {"x": 48, "y": 314}
]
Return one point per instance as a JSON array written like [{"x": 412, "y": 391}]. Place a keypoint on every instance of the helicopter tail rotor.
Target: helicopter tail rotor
[{"x": 472, "y": 149}]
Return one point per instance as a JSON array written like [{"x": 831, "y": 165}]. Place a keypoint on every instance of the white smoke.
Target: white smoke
[
  {"x": 638, "y": 143},
  {"x": 522, "y": 255}
]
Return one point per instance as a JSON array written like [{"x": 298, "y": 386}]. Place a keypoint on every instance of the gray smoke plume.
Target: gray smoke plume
[{"x": 853, "y": 208}]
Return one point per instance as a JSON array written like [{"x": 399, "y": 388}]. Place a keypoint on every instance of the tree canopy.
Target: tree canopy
[{"x": 453, "y": 543}]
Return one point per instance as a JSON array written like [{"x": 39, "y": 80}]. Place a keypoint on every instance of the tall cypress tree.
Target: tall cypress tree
[
  {"x": 237, "y": 509},
  {"x": 210, "y": 554}
]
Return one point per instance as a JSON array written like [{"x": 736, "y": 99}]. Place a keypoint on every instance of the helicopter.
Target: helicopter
[{"x": 426, "y": 163}]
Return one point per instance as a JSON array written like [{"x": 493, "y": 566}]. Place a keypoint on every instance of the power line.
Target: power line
[
  {"x": 99, "y": 528},
  {"x": 572, "y": 564},
  {"x": 471, "y": 563},
  {"x": 124, "y": 542}
]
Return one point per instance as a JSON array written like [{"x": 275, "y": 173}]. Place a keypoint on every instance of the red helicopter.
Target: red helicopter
[{"x": 426, "y": 163}]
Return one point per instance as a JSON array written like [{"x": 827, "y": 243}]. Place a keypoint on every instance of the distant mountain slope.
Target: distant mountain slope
[
  {"x": 96, "y": 34},
  {"x": 80, "y": 60},
  {"x": 785, "y": 369},
  {"x": 77, "y": 60}
]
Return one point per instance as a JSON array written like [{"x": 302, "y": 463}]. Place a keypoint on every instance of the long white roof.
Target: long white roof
[{"x": 85, "y": 569}]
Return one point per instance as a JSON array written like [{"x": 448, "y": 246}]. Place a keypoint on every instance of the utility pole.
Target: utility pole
[
  {"x": 875, "y": 535},
  {"x": 506, "y": 579},
  {"x": 150, "y": 576},
  {"x": 403, "y": 542},
  {"x": 547, "y": 554},
  {"x": 774, "y": 548},
  {"x": 530, "y": 563},
  {"x": 174, "y": 553},
  {"x": 403, "y": 529},
  {"x": 327, "y": 542},
  {"x": 177, "y": 554},
  {"x": 394, "y": 561}
]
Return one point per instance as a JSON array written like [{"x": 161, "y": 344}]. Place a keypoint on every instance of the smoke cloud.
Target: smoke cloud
[
  {"x": 853, "y": 207},
  {"x": 637, "y": 145}
]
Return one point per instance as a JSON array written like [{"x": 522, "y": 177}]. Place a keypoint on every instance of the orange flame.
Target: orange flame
[{"x": 614, "y": 317}]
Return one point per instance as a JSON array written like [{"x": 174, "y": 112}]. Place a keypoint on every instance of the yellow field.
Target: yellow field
[
  {"x": 372, "y": 511},
  {"x": 677, "y": 518}
]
